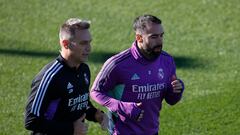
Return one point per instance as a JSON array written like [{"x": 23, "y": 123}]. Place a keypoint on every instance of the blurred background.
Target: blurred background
[{"x": 202, "y": 35}]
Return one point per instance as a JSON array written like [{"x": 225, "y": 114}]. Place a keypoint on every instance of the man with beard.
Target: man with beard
[{"x": 133, "y": 83}]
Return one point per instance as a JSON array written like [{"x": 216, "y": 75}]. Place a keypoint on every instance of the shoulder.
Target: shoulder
[
  {"x": 49, "y": 70},
  {"x": 167, "y": 56},
  {"x": 52, "y": 67},
  {"x": 118, "y": 58},
  {"x": 84, "y": 66},
  {"x": 112, "y": 63}
]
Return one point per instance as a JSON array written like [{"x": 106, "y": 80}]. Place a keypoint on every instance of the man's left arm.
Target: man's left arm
[
  {"x": 175, "y": 86},
  {"x": 174, "y": 93},
  {"x": 96, "y": 115}
]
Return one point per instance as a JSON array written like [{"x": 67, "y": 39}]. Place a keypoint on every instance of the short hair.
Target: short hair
[
  {"x": 67, "y": 30},
  {"x": 140, "y": 22}
]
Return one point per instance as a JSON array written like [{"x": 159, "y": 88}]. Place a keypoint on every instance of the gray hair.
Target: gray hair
[
  {"x": 140, "y": 22},
  {"x": 67, "y": 30}
]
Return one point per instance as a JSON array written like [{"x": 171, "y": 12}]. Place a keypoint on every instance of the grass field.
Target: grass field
[{"x": 202, "y": 35}]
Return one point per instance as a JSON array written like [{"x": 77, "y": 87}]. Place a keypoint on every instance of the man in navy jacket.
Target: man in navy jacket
[{"x": 59, "y": 99}]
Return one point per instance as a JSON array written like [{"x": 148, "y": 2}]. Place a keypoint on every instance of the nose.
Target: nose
[
  {"x": 160, "y": 39},
  {"x": 88, "y": 47}
]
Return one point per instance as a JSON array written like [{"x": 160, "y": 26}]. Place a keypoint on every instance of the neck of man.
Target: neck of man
[{"x": 69, "y": 61}]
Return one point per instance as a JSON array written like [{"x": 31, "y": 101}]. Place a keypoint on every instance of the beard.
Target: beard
[{"x": 154, "y": 52}]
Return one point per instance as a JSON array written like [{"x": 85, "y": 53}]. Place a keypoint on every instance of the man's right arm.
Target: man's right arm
[
  {"x": 38, "y": 102},
  {"x": 42, "y": 125},
  {"x": 106, "y": 81}
]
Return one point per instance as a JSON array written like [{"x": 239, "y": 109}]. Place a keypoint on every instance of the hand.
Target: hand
[
  {"x": 105, "y": 122},
  {"x": 141, "y": 113},
  {"x": 102, "y": 119},
  {"x": 176, "y": 84},
  {"x": 80, "y": 128}
]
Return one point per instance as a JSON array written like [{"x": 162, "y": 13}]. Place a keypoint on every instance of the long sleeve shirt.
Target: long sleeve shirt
[
  {"x": 59, "y": 96},
  {"x": 129, "y": 78}
]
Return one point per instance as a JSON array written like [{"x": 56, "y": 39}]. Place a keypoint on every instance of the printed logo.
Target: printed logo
[
  {"x": 74, "y": 108},
  {"x": 78, "y": 103},
  {"x": 149, "y": 72},
  {"x": 70, "y": 87},
  {"x": 160, "y": 73},
  {"x": 135, "y": 77},
  {"x": 148, "y": 91},
  {"x": 86, "y": 78}
]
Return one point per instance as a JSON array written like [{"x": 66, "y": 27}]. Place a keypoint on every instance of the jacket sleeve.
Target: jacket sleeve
[
  {"x": 41, "y": 125},
  {"x": 170, "y": 97},
  {"x": 90, "y": 112},
  {"x": 106, "y": 81},
  {"x": 38, "y": 102}
]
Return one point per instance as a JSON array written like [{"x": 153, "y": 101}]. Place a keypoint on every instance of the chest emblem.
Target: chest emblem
[
  {"x": 70, "y": 87},
  {"x": 149, "y": 72},
  {"x": 86, "y": 78},
  {"x": 160, "y": 73}
]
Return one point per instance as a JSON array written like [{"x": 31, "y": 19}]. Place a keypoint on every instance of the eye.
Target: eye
[
  {"x": 84, "y": 42},
  {"x": 154, "y": 36}
]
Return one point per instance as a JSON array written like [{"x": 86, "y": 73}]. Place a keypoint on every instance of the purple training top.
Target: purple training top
[{"x": 128, "y": 78}]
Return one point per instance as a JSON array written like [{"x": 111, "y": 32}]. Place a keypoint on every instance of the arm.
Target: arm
[
  {"x": 175, "y": 87},
  {"x": 90, "y": 112},
  {"x": 106, "y": 81},
  {"x": 41, "y": 125},
  {"x": 124, "y": 109},
  {"x": 35, "y": 120},
  {"x": 174, "y": 94}
]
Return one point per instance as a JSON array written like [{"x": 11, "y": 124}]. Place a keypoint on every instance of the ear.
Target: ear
[
  {"x": 65, "y": 43},
  {"x": 139, "y": 38}
]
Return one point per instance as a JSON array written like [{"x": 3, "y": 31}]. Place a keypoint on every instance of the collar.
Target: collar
[{"x": 64, "y": 62}]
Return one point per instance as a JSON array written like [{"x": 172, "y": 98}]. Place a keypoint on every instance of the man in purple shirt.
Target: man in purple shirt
[{"x": 133, "y": 83}]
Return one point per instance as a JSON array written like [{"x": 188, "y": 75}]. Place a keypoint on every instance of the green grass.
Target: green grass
[{"x": 202, "y": 35}]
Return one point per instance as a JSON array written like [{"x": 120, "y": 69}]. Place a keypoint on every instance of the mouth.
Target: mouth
[
  {"x": 157, "y": 48},
  {"x": 85, "y": 55}
]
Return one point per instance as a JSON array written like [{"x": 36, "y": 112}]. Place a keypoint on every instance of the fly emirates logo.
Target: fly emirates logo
[
  {"x": 79, "y": 102},
  {"x": 148, "y": 91}
]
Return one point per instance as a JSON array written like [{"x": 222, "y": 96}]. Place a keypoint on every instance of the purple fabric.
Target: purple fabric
[
  {"x": 144, "y": 81},
  {"x": 49, "y": 114}
]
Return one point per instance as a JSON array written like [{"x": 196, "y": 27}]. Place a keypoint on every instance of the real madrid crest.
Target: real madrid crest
[
  {"x": 160, "y": 73},
  {"x": 86, "y": 78}
]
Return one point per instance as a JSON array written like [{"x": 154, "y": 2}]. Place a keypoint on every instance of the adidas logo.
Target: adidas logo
[
  {"x": 70, "y": 87},
  {"x": 135, "y": 77}
]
